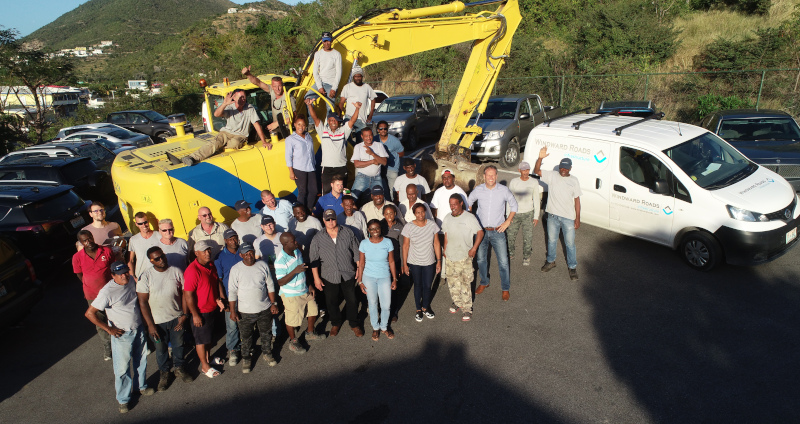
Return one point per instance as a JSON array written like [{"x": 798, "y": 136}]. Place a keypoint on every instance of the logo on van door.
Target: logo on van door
[
  {"x": 600, "y": 157},
  {"x": 667, "y": 210}
]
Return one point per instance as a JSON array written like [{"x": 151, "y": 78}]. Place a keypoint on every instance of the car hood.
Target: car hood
[
  {"x": 494, "y": 124},
  {"x": 764, "y": 191},
  {"x": 772, "y": 149},
  {"x": 391, "y": 117}
]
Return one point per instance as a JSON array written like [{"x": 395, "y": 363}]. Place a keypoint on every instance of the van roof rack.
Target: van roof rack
[
  {"x": 584, "y": 110},
  {"x": 657, "y": 115},
  {"x": 577, "y": 125}
]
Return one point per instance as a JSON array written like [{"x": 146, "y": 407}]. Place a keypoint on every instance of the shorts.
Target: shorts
[
  {"x": 294, "y": 309},
  {"x": 202, "y": 335}
]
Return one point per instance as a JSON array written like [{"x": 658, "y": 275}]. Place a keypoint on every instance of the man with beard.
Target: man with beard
[{"x": 355, "y": 94}]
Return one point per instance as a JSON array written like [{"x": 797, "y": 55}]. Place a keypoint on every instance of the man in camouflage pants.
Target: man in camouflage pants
[
  {"x": 462, "y": 236},
  {"x": 528, "y": 194}
]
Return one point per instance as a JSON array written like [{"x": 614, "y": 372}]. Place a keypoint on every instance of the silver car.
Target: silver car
[{"x": 118, "y": 137}]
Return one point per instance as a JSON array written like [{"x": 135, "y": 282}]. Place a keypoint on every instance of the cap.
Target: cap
[
  {"x": 408, "y": 161},
  {"x": 119, "y": 268},
  {"x": 241, "y": 204},
  {"x": 202, "y": 246},
  {"x": 336, "y": 117},
  {"x": 246, "y": 247},
  {"x": 327, "y": 36},
  {"x": 524, "y": 165},
  {"x": 447, "y": 171},
  {"x": 230, "y": 232},
  {"x": 377, "y": 190},
  {"x": 267, "y": 219},
  {"x": 566, "y": 163},
  {"x": 329, "y": 214}
]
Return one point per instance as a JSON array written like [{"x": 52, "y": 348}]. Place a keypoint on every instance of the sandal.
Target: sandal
[
  {"x": 217, "y": 361},
  {"x": 211, "y": 373},
  {"x": 375, "y": 335},
  {"x": 389, "y": 334}
]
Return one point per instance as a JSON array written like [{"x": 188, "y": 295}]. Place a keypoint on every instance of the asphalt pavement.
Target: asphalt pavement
[{"x": 640, "y": 338}]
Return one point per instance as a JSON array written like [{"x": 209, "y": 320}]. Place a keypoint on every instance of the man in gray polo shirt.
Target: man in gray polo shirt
[
  {"x": 251, "y": 295},
  {"x": 128, "y": 345},
  {"x": 563, "y": 211}
]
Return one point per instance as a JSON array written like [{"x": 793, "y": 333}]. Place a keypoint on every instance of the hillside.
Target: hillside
[{"x": 131, "y": 24}]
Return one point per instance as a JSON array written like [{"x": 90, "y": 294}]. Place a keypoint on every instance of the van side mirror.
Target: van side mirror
[
  {"x": 660, "y": 187},
  {"x": 524, "y": 116}
]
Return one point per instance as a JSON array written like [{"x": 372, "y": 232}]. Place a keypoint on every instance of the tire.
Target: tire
[
  {"x": 160, "y": 137},
  {"x": 412, "y": 140},
  {"x": 510, "y": 157},
  {"x": 700, "y": 251}
]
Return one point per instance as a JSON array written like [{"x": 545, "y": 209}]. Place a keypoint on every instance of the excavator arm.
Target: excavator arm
[{"x": 387, "y": 34}]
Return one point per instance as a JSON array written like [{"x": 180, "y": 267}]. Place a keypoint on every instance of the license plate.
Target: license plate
[
  {"x": 791, "y": 235},
  {"x": 77, "y": 222},
  {"x": 3, "y": 291}
]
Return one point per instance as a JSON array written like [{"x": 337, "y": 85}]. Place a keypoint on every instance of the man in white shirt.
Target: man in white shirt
[
  {"x": 247, "y": 225},
  {"x": 440, "y": 203},
  {"x": 356, "y": 92},
  {"x": 410, "y": 177},
  {"x": 368, "y": 157},
  {"x": 406, "y": 208},
  {"x": 527, "y": 192},
  {"x": 327, "y": 69}
]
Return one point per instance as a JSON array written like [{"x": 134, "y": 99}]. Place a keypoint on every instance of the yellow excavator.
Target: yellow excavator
[{"x": 145, "y": 180}]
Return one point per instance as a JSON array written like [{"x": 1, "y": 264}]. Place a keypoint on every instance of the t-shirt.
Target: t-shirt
[
  {"x": 100, "y": 235},
  {"x": 177, "y": 253},
  {"x": 460, "y": 231},
  {"x": 165, "y": 290},
  {"x": 356, "y": 222},
  {"x": 393, "y": 233},
  {"x": 139, "y": 245},
  {"x": 376, "y": 257},
  {"x": 282, "y": 214},
  {"x": 373, "y": 212},
  {"x": 121, "y": 304},
  {"x": 305, "y": 231},
  {"x": 527, "y": 195},
  {"x": 333, "y": 144},
  {"x": 353, "y": 93},
  {"x": 250, "y": 287},
  {"x": 216, "y": 237},
  {"x": 239, "y": 121},
  {"x": 327, "y": 68},
  {"x": 407, "y": 212},
  {"x": 96, "y": 272},
  {"x": 224, "y": 263},
  {"x": 360, "y": 153},
  {"x": 441, "y": 201},
  {"x": 267, "y": 248},
  {"x": 394, "y": 147},
  {"x": 561, "y": 194},
  {"x": 286, "y": 263},
  {"x": 205, "y": 282},
  {"x": 249, "y": 230},
  {"x": 279, "y": 104},
  {"x": 328, "y": 201},
  {"x": 420, "y": 249},
  {"x": 403, "y": 181}
]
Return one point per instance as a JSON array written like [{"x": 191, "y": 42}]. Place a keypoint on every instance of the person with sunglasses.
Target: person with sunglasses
[
  {"x": 176, "y": 249},
  {"x": 160, "y": 292},
  {"x": 102, "y": 230},
  {"x": 209, "y": 230},
  {"x": 396, "y": 151},
  {"x": 139, "y": 244}
]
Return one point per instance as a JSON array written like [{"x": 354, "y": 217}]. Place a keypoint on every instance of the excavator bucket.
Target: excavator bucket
[{"x": 457, "y": 160}]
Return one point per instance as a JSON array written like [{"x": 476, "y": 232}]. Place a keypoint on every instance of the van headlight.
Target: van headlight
[
  {"x": 740, "y": 214},
  {"x": 494, "y": 135},
  {"x": 396, "y": 125}
]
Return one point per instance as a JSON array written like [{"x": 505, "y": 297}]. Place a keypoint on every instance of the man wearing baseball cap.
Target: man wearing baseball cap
[
  {"x": 327, "y": 69},
  {"x": 527, "y": 192},
  {"x": 374, "y": 209},
  {"x": 563, "y": 211},
  {"x": 201, "y": 291},
  {"x": 226, "y": 260},
  {"x": 247, "y": 225},
  {"x": 120, "y": 303}
]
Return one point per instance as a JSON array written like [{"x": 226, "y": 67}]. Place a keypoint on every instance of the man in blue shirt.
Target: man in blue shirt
[
  {"x": 279, "y": 209},
  {"x": 331, "y": 199},
  {"x": 491, "y": 213},
  {"x": 228, "y": 257},
  {"x": 395, "y": 149}
]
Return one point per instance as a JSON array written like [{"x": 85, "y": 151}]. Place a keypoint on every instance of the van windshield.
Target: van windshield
[{"x": 711, "y": 162}]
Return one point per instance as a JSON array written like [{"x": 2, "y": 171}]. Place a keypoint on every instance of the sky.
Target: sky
[{"x": 27, "y": 16}]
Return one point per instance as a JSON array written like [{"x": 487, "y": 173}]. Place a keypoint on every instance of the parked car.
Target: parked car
[
  {"x": 96, "y": 151},
  {"x": 412, "y": 117},
  {"x": 42, "y": 218},
  {"x": 770, "y": 138},
  {"x": 63, "y": 132},
  {"x": 506, "y": 123},
  {"x": 20, "y": 290},
  {"x": 118, "y": 137},
  {"x": 147, "y": 122},
  {"x": 638, "y": 108},
  {"x": 88, "y": 181}
]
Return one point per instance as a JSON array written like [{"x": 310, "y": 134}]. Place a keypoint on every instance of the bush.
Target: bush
[
  {"x": 752, "y": 7},
  {"x": 766, "y": 48},
  {"x": 708, "y": 103}
]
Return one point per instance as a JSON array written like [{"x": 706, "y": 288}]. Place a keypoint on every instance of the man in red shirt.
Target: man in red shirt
[
  {"x": 92, "y": 265},
  {"x": 201, "y": 291}
]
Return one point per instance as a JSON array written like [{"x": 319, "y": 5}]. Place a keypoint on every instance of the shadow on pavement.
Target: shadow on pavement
[{"x": 698, "y": 347}]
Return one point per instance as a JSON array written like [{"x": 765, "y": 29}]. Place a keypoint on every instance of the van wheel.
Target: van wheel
[
  {"x": 411, "y": 140},
  {"x": 701, "y": 251},
  {"x": 510, "y": 157}
]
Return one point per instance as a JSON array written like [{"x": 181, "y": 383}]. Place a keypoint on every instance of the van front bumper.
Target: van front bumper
[{"x": 753, "y": 248}]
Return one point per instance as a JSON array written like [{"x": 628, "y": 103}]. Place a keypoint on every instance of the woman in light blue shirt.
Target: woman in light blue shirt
[
  {"x": 300, "y": 160},
  {"x": 377, "y": 277}
]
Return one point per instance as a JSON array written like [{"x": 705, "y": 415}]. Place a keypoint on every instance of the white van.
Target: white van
[{"x": 673, "y": 184}]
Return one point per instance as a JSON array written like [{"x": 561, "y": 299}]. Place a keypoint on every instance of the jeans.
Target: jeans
[
  {"x": 306, "y": 188},
  {"x": 498, "y": 242},
  {"x": 313, "y": 95},
  {"x": 168, "y": 335},
  {"x": 232, "y": 339},
  {"x": 378, "y": 289},
  {"x": 365, "y": 183},
  {"x": 391, "y": 176},
  {"x": 554, "y": 224},
  {"x": 264, "y": 321},
  {"x": 129, "y": 349},
  {"x": 347, "y": 288},
  {"x": 423, "y": 280},
  {"x": 523, "y": 221}
]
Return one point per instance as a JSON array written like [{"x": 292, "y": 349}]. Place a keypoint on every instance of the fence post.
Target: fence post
[
  {"x": 441, "y": 99},
  {"x": 760, "y": 87},
  {"x": 561, "y": 95},
  {"x": 646, "y": 83}
]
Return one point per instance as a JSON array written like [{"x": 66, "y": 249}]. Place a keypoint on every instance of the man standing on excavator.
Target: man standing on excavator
[
  {"x": 277, "y": 96},
  {"x": 327, "y": 69}
]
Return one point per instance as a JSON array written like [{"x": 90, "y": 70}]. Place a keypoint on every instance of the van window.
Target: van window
[
  {"x": 644, "y": 168},
  {"x": 711, "y": 162}
]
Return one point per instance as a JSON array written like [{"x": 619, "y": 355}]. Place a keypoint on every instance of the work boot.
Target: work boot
[
  {"x": 188, "y": 161},
  {"x": 183, "y": 375},
  {"x": 148, "y": 391},
  {"x": 548, "y": 266},
  {"x": 573, "y": 274},
  {"x": 163, "y": 381},
  {"x": 269, "y": 358},
  {"x": 123, "y": 408},
  {"x": 246, "y": 365},
  {"x": 233, "y": 358}
]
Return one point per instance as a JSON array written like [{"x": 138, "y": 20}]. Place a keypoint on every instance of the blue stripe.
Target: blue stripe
[{"x": 216, "y": 183}]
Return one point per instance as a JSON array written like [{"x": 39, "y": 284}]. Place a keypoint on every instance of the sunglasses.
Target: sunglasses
[
  {"x": 330, "y": 219},
  {"x": 167, "y": 230},
  {"x": 158, "y": 258},
  {"x": 205, "y": 215},
  {"x": 383, "y": 129},
  {"x": 141, "y": 223}
]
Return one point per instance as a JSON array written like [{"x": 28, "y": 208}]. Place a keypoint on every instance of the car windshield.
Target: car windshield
[
  {"x": 121, "y": 134},
  {"x": 53, "y": 207},
  {"x": 711, "y": 162},
  {"x": 396, "y": 105},
  {"x": 42, "y": 174},
  {"x": 758, "y": 129},
  {"x": 153, "y": 116},
  {"x": 498, "y": 110}
]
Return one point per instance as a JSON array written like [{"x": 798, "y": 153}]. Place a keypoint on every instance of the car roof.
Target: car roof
[
  {"x": 95, "y": 131},
  {"x": 406, "y": 96},
  {"x": 136, "y": 111},
  {"x": 752, "y": 113},
  {"x": 88, "y": 126},
  {"x": 43, "y": 161},
  {"x": 12, "y": 194},
  {"x": 650, "y": 135},
  {"x": 65, "y": 145},
  {"x": 510, "y": 97}
]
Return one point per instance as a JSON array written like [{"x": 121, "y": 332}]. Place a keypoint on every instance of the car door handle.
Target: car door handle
[
  {"x": 620, "y": 188},
  {"x": 598, "y": 183}
]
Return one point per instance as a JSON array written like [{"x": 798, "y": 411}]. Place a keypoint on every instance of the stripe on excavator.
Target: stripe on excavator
[{"x": 216, "y": 183}]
